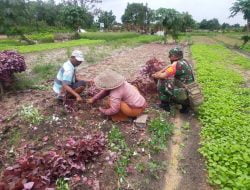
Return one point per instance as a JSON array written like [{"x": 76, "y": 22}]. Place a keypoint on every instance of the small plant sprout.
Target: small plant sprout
[
  {"x": 62, "y": 184},
  {"x": 31, "y": 114}
]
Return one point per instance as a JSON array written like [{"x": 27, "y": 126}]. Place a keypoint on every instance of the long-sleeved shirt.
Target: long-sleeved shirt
[{"x": 126, "y": 93}]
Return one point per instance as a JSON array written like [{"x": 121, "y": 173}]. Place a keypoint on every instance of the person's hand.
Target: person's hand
[
  {"x": 154, "y": 75},
  {"x": 90, "y": 101},
  {"x": 79, "y": 98}
]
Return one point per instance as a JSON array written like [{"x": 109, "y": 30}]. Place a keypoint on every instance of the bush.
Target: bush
[
  {"x": 10, "y": 62},
  {"x": 245, "y": 39},
  {"x": 42, "y": 37}
]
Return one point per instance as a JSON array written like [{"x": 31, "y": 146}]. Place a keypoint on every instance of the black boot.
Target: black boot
[
  {"x": 165, "y": 106},
  {"x": 184, "y": 109}
]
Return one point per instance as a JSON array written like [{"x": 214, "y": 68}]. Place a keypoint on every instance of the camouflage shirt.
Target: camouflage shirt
[{"x": 184, "y": 72}]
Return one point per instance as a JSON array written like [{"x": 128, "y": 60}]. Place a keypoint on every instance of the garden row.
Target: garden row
[
  {"x": 85, "y": 39},
  {"x": 224, "y": 116}
]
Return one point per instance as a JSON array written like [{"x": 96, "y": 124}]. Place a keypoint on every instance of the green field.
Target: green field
[{"x": 87, "y": 39}]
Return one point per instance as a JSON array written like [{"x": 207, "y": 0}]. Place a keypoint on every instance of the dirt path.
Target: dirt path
[
  {"x": 173, "y": 176},
  {"x": 186, "y": 166}
]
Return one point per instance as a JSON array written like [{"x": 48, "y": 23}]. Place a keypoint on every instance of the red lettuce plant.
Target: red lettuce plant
[
  {"x": 38, "y": 171},
  {"x": 10, "y": 62},
  {"x": 144, "y": 82}
]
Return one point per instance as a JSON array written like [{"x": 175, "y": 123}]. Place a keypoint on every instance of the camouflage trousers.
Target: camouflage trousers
[{"x": 171, "y": 92}]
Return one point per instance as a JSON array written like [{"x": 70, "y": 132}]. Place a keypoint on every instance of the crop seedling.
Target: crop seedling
[{"x": 225, "y": 132}]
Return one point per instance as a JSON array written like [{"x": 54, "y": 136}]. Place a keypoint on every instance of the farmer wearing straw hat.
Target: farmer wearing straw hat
[
  {"x": 66, "y": 83},
  {"x": 172, "y": 81},
  {"x": 125, "y": 100}
]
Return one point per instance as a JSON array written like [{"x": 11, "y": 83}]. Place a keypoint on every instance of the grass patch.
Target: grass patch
[
  {"x": 4, "y": 44},
  {"x": 15, "y": 137},
  {"x": 109, "y": 36},
  {"x": 224, "y": 116},
  {"x": 39, "y": 73},
  {"x": 94, "y": 55},
  {"x": 42, "y": 37},
  {"x": 45, "y": 71}
]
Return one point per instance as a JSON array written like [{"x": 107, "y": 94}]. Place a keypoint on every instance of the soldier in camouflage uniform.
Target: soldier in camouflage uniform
[{"x": 172, "y": 80}]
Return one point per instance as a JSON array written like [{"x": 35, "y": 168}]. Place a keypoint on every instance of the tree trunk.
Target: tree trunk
[
  {"x": 165, "y": 36},
  {"x": 248, "y": 26}
]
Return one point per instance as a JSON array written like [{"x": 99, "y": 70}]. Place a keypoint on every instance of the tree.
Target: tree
[
  {"x": 75, "y": 17},
  {"x": 172, "y": 23},
  {"x": 242, "y": 6},
  {"x": 13, "y": 16},
  {"x": 225, "y": 26},
  {"x": 187, "y": 21},
  {"x": 138, "y": 15},
  {"x": 212, "y": 24},
  {"x": 90, "y": 5},
  {"x": 107, "y": 18}
]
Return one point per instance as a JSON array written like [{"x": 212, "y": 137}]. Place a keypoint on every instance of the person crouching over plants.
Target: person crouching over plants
[
  {"x": 66, "y": 83},
  {"x": 124, "y": 99},
  {"x": 173, "y": 79}
]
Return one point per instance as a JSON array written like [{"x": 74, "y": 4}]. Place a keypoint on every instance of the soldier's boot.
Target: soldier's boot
[
  {"x": 184, "y": 109},
  {"x": 165, "y": 106}
]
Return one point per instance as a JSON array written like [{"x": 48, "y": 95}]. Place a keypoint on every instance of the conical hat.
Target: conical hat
[{"x": 108, "y": 80}]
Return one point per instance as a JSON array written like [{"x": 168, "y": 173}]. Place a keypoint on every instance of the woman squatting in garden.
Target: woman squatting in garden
[{"x": 124, "y": 99}]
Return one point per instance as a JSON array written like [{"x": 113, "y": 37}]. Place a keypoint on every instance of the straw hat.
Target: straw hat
[{"x": 109, "y": 80}]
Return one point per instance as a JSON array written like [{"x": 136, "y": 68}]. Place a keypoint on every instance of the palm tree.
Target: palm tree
[{"x": 242, "y": 6}]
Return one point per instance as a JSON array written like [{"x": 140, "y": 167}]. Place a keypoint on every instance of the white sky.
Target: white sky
[{"x": 199, "y": 9}]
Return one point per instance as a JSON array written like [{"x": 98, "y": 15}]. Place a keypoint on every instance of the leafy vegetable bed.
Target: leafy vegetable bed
[{"x": 224, "y": 116}]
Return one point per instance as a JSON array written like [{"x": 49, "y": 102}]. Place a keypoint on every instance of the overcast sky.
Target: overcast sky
[{"x": 200, "y": 9}]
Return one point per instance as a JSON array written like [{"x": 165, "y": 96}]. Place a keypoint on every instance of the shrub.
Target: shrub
[{"x": 245, "y": 39}]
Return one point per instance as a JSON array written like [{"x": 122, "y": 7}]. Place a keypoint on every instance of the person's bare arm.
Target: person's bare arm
[
  {"x": 71, "y": 91},
  {"x": 160, "y": 74}
]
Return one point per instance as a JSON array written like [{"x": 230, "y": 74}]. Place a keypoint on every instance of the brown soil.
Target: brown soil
[
  {"x": 192, "y": 166},
  {"x": 88, "y": 119}
]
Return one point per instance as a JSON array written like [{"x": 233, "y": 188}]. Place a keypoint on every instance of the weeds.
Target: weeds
[
  {"x": 15, "y": 137},
  {"x": 154, "y": 167},
  {"x": 118, "y": 144},
  {"x": 186, "y": 126},
  {"x": 159, "y": 130},
  {"x": 62, "y": 184},
  {"x": 31, "y": 114}
]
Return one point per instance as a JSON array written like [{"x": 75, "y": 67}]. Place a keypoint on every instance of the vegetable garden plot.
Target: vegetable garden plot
[
  {"x": 131, "y": 143},
  {"x": 224, "y": 116}
]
